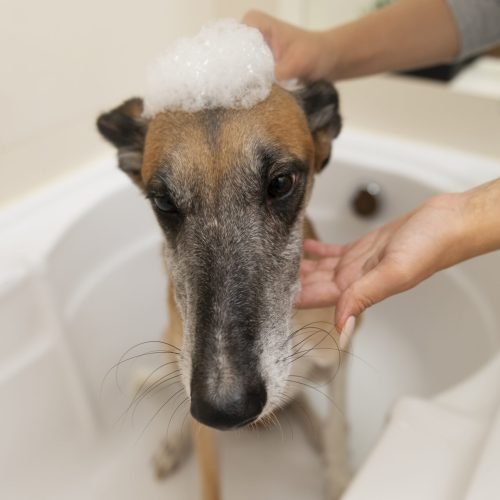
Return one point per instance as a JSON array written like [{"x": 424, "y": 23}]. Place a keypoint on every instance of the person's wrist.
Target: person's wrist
[
  {"x": 328, "y": 54},
  {"x": 482, "y": 213},
  {"x": 455, "y": 228}
]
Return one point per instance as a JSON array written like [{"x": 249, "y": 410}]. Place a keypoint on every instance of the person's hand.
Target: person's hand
[
  {"x": 298, "y": 53},
  {"x": 386, "y": 261}
]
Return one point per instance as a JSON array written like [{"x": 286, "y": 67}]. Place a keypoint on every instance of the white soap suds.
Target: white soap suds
[{"x": 227, "y": 64}]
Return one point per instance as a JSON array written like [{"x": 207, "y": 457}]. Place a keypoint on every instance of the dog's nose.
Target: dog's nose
[{"x": 239, "y": 408}]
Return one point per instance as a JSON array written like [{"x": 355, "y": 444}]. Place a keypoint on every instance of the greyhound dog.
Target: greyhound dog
[{"x": 229, "y": 188}]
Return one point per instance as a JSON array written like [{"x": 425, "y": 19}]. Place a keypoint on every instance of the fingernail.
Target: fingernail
[{"x": 346, "y": 333}]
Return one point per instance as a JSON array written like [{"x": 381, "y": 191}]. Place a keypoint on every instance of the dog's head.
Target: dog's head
[{"x": 229, "y": 190}]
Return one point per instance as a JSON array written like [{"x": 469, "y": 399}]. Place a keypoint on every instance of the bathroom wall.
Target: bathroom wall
[
  {"x": 322, "y": 14},
  {"x": 62, "y": 63},
  {"x": 316, "y": 14}
]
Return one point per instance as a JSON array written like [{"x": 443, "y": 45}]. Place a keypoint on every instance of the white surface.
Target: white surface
[
  {"x": 481, "y": 78},
  {"x": 81, "y": 281},
  {"x": 441, "y": 449},
  {"x": 227, "y": 64}
]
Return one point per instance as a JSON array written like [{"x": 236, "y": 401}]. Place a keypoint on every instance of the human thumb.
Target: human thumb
[{"x": 285, "y": 68}]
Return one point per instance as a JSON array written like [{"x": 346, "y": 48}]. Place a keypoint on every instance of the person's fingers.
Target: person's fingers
[
  {"x": 286, "y": 66},
  {"x": 321, "y": 294},
  {"x": 283, "y": 72},
  {"x": 328, "y": 263},
  {"x": 315, "y": 264},
  {"x": 307, "y": 266},
  {"x": 323, "y": 271},
  {"x": 346, "y": 333},
  {"x": 381, "y": 282},
  {"x": 316, "y": 276},
  {"x": 320, "y": 249},
  {"x": 259, "y": 20},
  {"x": 269, "y": 26}
]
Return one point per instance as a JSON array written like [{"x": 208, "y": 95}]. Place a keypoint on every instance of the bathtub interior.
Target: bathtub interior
[{"x": 100, "y": 289}]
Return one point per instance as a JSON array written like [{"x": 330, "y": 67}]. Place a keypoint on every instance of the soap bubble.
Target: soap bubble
[{"x": 227, "y": 64}]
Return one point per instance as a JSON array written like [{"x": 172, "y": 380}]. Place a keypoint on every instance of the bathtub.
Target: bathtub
[{"x": 81, "y": 281}]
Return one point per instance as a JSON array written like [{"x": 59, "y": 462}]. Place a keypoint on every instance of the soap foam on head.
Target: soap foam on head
[{"x": 227, "y": 64}]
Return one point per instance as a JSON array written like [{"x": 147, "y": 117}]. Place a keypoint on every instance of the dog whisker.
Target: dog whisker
[
  {"x": 306, "y": 351},
  {"x": 302, "y": 328},
  {"x": 123, "y": 360},
  {"x": 173, "y": 414},
  {"x": 297, "y": 332},
  {"x": 307, "y": 415},
  {"x": 140, "y": 394},
  {"x": 315, "y": 347},
  {"x": 274, "y": 418},
  {"x": 158, "y": 388},
  {"x": 184, "y": 420},
  {"x": 267, "y": 422},
  {"x": 284, "y": 402},
  {"x": 317, "y": 330},
  {"x": 148, "y": 378},
  {"x": 342, "y": 351},
  {"x": 314, "y": 388},
  {"x": 155, "y": 387},
  {"x": 174, "y": 395},
  {"x": 297, "y": 405},
  {"x": 118, "y": 365},
  {"x": 134, "y": 405}
]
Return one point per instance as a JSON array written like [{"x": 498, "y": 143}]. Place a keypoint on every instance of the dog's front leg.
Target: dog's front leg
[
  {"x": 176, "y": 446},
  {"x": 206, "y": 452},
  {"x": 171, "y": 453},
  {"x": 336, "y": 449}
]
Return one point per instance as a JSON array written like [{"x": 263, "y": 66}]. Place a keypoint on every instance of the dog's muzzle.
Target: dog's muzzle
[{"x": 240, "y": 406}]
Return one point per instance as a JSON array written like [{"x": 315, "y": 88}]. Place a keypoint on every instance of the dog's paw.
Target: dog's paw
[
  {"x": 336, "y": 487},
  {"x": 166, "y": 460}
]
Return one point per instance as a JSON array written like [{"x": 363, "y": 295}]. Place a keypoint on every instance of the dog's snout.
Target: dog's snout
[{"x": 238, "y": 408}]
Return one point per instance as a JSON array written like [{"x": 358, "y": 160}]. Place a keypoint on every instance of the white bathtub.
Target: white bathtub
[{"x": 81, "y": 281}]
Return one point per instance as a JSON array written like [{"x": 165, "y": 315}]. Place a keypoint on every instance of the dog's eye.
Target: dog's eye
[
  {"x": 281, "y": 186},
  {"x": 164, "y": 204}
]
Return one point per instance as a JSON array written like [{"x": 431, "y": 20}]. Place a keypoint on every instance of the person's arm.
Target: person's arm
[
  {"x": 444, "y": 231},
  {"x": 406, "y": 34}
]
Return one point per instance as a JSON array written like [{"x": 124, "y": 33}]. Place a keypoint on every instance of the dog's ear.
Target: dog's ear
[
  {"x": 126, "y": 129},
  {"x": 320, "y": 103}
]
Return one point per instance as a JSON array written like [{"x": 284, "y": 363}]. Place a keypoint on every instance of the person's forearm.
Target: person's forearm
[
  {"x": 481, "y": 222},
  {"x": 407, "y": 34}
]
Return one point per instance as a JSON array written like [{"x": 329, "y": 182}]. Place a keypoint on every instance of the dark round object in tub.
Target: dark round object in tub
[{"x": 366, "y": 201}]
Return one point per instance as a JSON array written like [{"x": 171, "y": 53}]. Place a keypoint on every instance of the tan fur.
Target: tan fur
[
  {"x": 173, "y": 333},
  {"x": 208, "y": 461},
  {"x": 172, "y": 134}
]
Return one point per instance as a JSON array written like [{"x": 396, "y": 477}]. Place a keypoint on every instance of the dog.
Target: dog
[{"x": 229, "y": 188}]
